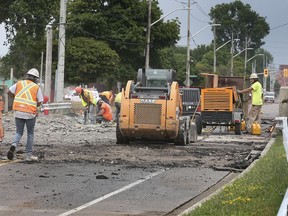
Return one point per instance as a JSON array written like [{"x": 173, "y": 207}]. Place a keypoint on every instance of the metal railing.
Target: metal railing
[
  {"x": 281, "y": 124},
  {"x": 56, "y": 106}
]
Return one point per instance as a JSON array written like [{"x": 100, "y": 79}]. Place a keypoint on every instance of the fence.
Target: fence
[{"x": 282, "y": 125}]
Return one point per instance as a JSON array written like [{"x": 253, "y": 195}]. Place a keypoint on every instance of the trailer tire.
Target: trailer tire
[
  {"x": 237, "y": 128},
  {"x": 181, "y": 138},
  {"x": 120, "y": 139},
  {"x": 198, "y": 122}
]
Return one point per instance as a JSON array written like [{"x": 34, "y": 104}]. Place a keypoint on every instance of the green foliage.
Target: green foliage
[
  {"x": 258, "y": 192},
  {"x": 88, "y": 59},
  {"x": 27, "y": 19},
  {"x": 119, "y": 24},
  {"x": 238, "y": 19},
  {"x": 122, "y": 26}
]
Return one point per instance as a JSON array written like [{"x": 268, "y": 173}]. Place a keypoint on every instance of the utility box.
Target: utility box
[{"x": 283, "y": 102}]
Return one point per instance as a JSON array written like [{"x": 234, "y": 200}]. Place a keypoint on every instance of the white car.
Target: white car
[
  {"x": 74, "y": 97},
  {"x": 269, "y": 97}
]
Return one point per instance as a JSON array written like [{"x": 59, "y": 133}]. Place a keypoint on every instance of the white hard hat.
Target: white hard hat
[
  {"x": 253, "y": 76},
  {"x": 33, "y": 72},
  {"x": 98, "y": 99}
]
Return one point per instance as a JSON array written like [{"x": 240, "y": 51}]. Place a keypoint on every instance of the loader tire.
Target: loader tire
[
  {"x": 193, "y": 132},
  {"x": 181, "y": 138},
  {"x": 198, "y": 122},
  {"x": 237, "y": 128},
  {"x": 120, "y": 139}
]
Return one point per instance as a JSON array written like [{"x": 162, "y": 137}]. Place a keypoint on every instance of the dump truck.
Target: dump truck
[
  {"x": 221, "y": 107},
  {"x": 192, "y": 106},
  {"x": 151, "y": 109}
]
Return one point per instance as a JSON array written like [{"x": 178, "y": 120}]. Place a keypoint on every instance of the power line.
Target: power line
[{"x": 279, "y": 26}]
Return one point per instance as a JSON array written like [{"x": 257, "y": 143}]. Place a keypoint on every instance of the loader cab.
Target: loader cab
[
  {"x": 153, "y": 83},
  {"x": 160, "y": 78}
]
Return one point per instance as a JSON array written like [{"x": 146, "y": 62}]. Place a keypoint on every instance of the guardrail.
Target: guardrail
[
  {"x": 55, "y": 106},
  {"x": 281, "y": 124}
]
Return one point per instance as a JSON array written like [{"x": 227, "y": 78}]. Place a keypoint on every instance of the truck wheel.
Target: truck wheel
[
  {"x": 119, "y": 137},
  {"x": 181, "y": 138},
  {"x": 237, "y": 128},
  {"x": 198, "y": 122}
]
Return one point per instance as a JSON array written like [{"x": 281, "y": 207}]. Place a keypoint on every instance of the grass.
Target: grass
[{"x": 258, "y": 192}]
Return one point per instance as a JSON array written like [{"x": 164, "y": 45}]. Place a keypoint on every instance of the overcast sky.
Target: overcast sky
[{"x": 275, "y": 12}]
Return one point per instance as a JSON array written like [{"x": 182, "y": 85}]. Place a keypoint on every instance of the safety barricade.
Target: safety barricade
[{"x": 281, "y": 124}]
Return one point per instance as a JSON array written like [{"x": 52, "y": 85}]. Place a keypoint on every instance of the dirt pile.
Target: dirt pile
[{"x": 61, "y": 138}]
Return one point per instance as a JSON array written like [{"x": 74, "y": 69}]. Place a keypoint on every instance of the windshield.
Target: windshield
[
  {"x": 156, "y": 78},
  {"x": 270, "y": 93}
]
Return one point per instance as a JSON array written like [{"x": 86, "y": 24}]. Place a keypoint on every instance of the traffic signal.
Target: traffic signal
[
  {"x": 285, "y": 73},
  {"x": 266, "y": 73}
]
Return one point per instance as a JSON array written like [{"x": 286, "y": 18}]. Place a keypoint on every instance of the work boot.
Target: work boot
[
  {"x": 30, "y": 158},
  {"x": 10, "y": 153},
  {"x": 103, "y": 124}
]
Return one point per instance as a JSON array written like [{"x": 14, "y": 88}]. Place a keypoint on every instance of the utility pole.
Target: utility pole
[
  {"x": 245, "y": 66},
  {"x": 264, "y": 78},
  {"x": 232, "y": 52},
  {"x": 59, "y": 91},
  {"x": 48, "y": 65},
  {"x": 147, "y": 56},
  {"x": 214, "y": 35},
  {"x": 41, "y": 69},
  {"x": 188, "y": 49}
]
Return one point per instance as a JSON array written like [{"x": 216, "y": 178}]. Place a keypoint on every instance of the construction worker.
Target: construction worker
[
  {"x": 27, "y": 97},
  {"x": 256, "y": 90},
  {"x": 88, "y": 101},
  {"x": 107, "y": 96},
  {"x": 104, "y": 114},
  {"x": 117, "y": 105}
]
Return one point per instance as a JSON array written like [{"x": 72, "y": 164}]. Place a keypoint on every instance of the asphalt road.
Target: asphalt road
[{"x": 93, "y": 189}]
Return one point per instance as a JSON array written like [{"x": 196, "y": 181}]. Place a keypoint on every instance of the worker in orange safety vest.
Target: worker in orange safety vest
[
  {"x": 27, "y": 97},
  {"x": 107, "y": 96},
  {"x": 104, "y": 115}
]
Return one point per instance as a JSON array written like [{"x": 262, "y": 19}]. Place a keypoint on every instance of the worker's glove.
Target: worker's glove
[{"x": 238, "y": 91}]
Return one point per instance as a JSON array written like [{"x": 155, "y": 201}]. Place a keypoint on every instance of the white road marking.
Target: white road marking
[{"x": 111, "y": 194}]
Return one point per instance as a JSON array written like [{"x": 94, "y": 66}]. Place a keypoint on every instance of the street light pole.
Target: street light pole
[
  {"x": 188, "y": 48},
  {"x": 259, "y": 54},
  {"x": 147, "y": 57},
  {"x": 245, "y": 66},
  {"x": 215, "y": 50},
  {"x": 232, "y": 52},
  {"x": 148, "y": 35},
  {"x": 242, "y": 51},
  {"x": 214, "y": 47}
]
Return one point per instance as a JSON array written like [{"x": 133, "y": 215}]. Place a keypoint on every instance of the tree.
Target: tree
[
  {"x": 25, "y": 24},
  {"x": 88, "y": 60},
  {"x": 174, "y": 58},
  {"x": 122, "y": 24},
  {"x": 118, "y": 24},
  {"x": 238, "y": 19}
]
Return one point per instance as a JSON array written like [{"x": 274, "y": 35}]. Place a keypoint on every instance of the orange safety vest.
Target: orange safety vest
[
  {"x": 108, "y": 94},
  {"x": 107, "y": 111},
  {"x": 25, "y": 99}
]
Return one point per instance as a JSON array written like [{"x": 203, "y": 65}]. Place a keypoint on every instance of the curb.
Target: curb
[{"x": 264, "y": 152}]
